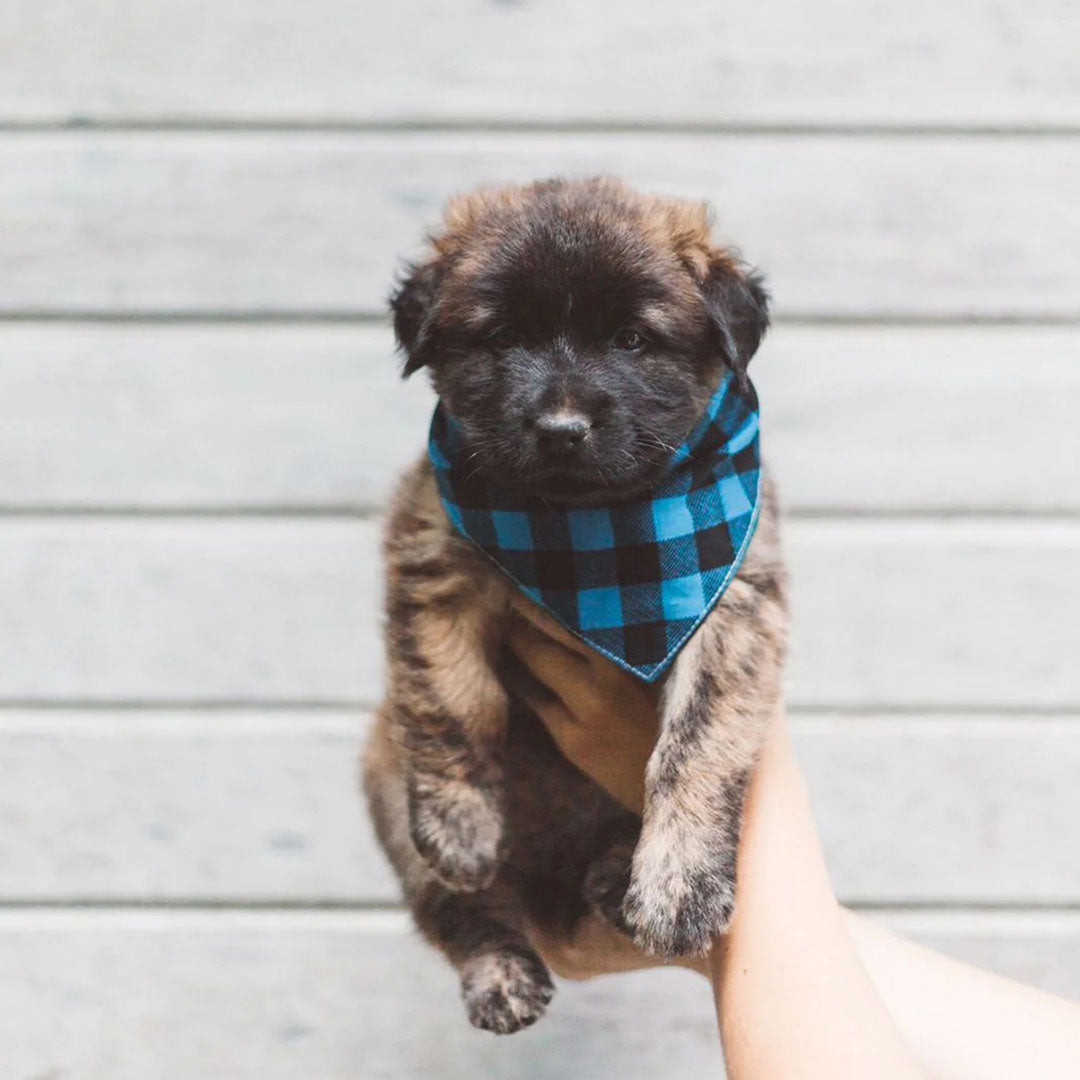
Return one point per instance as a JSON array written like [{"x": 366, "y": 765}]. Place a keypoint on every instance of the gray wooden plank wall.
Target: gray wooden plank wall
[{"x": 201, "y": 207}]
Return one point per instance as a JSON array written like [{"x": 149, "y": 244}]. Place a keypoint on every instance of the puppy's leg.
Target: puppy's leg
[
  {"x": 447, "y": 711},
  {"x": 718, "y": 702},
  {"x": 504, "y": 983}
]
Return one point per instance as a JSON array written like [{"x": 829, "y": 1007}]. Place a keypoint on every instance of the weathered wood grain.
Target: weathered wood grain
[
  {"x": 197, "y": 417},
  {"x": 277, "y": 610},
  {"x": 937, "y": 612},
  {"x": 248, "y": 807},
  {"x": 318, "y": 223},
  {"x": 977, "y": 612},
  {"x": 159, "y": 806},
  {"x": 291, "y": 996},
  {"x": 833, "y": 62},
  {"x": 964, "y": 809},
  {"x": 899, "y": 419},
  {"x": 175, "y": 996},
  {"x": 874, "y": 217},
  {"x": 222, "y": 417}
]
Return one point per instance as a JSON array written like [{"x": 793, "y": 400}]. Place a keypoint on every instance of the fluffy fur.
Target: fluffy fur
[{"x": 588, "y": 305}]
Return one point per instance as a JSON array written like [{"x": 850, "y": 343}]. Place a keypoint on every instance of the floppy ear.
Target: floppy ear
[
  {"x": 412, "y": 304},
  {"x": 737, "y": 303}
]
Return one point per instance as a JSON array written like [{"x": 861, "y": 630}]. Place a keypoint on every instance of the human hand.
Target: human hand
[{"x": 603, "y": 719}]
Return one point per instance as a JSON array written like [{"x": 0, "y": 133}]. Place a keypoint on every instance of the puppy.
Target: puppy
[{"x": 589, "y": 347}]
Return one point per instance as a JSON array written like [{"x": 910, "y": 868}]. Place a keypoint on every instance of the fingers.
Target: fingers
[
  {"x": 602, "y": 677},
  {"x": 570, "y": 678},
  {"x": 594, "y": 947},
  {"x": 572, "y": 739},
  {"x": 592, "y": 688},
  {"x": 548, "y": 626},
  {"x": 551, "y": 662},
  {"x": 554, "y": 715},
  {"x": 559, "y": 671}
]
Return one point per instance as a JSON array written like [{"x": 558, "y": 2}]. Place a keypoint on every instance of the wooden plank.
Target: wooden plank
[
  {"x": 949, "y": 810},
  {"x": 906, "y": 418},
  {"x": 181, "y": 806},
  {"x": 219, "y": 416},
  {"x": 929, "y": 613},
  {"x": 197, "y": 417},
  {"x": 275, "y": 610},
  {"x": 289, "y": 996},
  {"x": 318, "y": 223},
  {"x": 837, "y": 62},
  {"x": 247, "y": 807}
]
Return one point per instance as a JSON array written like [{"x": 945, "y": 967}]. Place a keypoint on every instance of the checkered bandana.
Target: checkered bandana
[{"x": 632, "y": 579}]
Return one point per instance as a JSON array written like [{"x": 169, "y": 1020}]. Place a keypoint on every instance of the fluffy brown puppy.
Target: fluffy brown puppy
[{"x": 575, "y": 331}]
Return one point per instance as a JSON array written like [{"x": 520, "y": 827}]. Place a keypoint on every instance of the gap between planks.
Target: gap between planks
[
  {"x": 805, "y": 715},
  {"x": 193, "y": 125},
  {"x": 395, "y": 919},
  {"x": 362, "y": 318}
]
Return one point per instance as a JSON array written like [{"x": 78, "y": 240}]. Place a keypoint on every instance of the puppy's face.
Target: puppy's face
[{"x": 576, "y": 330}]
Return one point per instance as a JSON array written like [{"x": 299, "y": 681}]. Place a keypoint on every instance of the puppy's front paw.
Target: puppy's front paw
[
  {"x": 458, "y": 830},
  {"x": 678, "y": 911},
  {"x": 505, "y": 991}
]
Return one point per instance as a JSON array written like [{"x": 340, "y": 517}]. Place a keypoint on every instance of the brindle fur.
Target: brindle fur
[{"x": 491, "y": 831}]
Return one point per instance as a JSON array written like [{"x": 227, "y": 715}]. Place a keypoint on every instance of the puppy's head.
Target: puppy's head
[{"x": 576, "y": 330}]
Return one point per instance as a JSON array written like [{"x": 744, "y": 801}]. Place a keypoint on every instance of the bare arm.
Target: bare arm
[
  {"x": 961, "y": 1023},
  {"x": 792, "y": 997},
  {"x": 964, "y": 1023}
]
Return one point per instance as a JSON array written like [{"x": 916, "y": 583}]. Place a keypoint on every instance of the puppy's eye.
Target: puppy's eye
[
  {"x": 629, "y": 339},
  {"x": 506, "y": 337}
]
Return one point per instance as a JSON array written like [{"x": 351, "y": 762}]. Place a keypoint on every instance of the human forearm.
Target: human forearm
[
  {"x": 805, "y": 943},
  {"x": 967, "y": 1024},
  {"x": 793, "y": 999}
]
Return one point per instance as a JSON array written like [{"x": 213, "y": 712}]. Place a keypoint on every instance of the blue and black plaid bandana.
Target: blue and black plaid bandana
[{"x": 631, "y": 579}]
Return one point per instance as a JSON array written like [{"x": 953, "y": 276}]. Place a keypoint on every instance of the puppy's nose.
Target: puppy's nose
[{"x": 562, "y": 431}]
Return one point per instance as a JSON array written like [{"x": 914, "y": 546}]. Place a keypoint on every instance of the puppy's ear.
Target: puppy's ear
[
  {"x": 737, "y": 303},
  {"x": 412, "y": 303}
]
